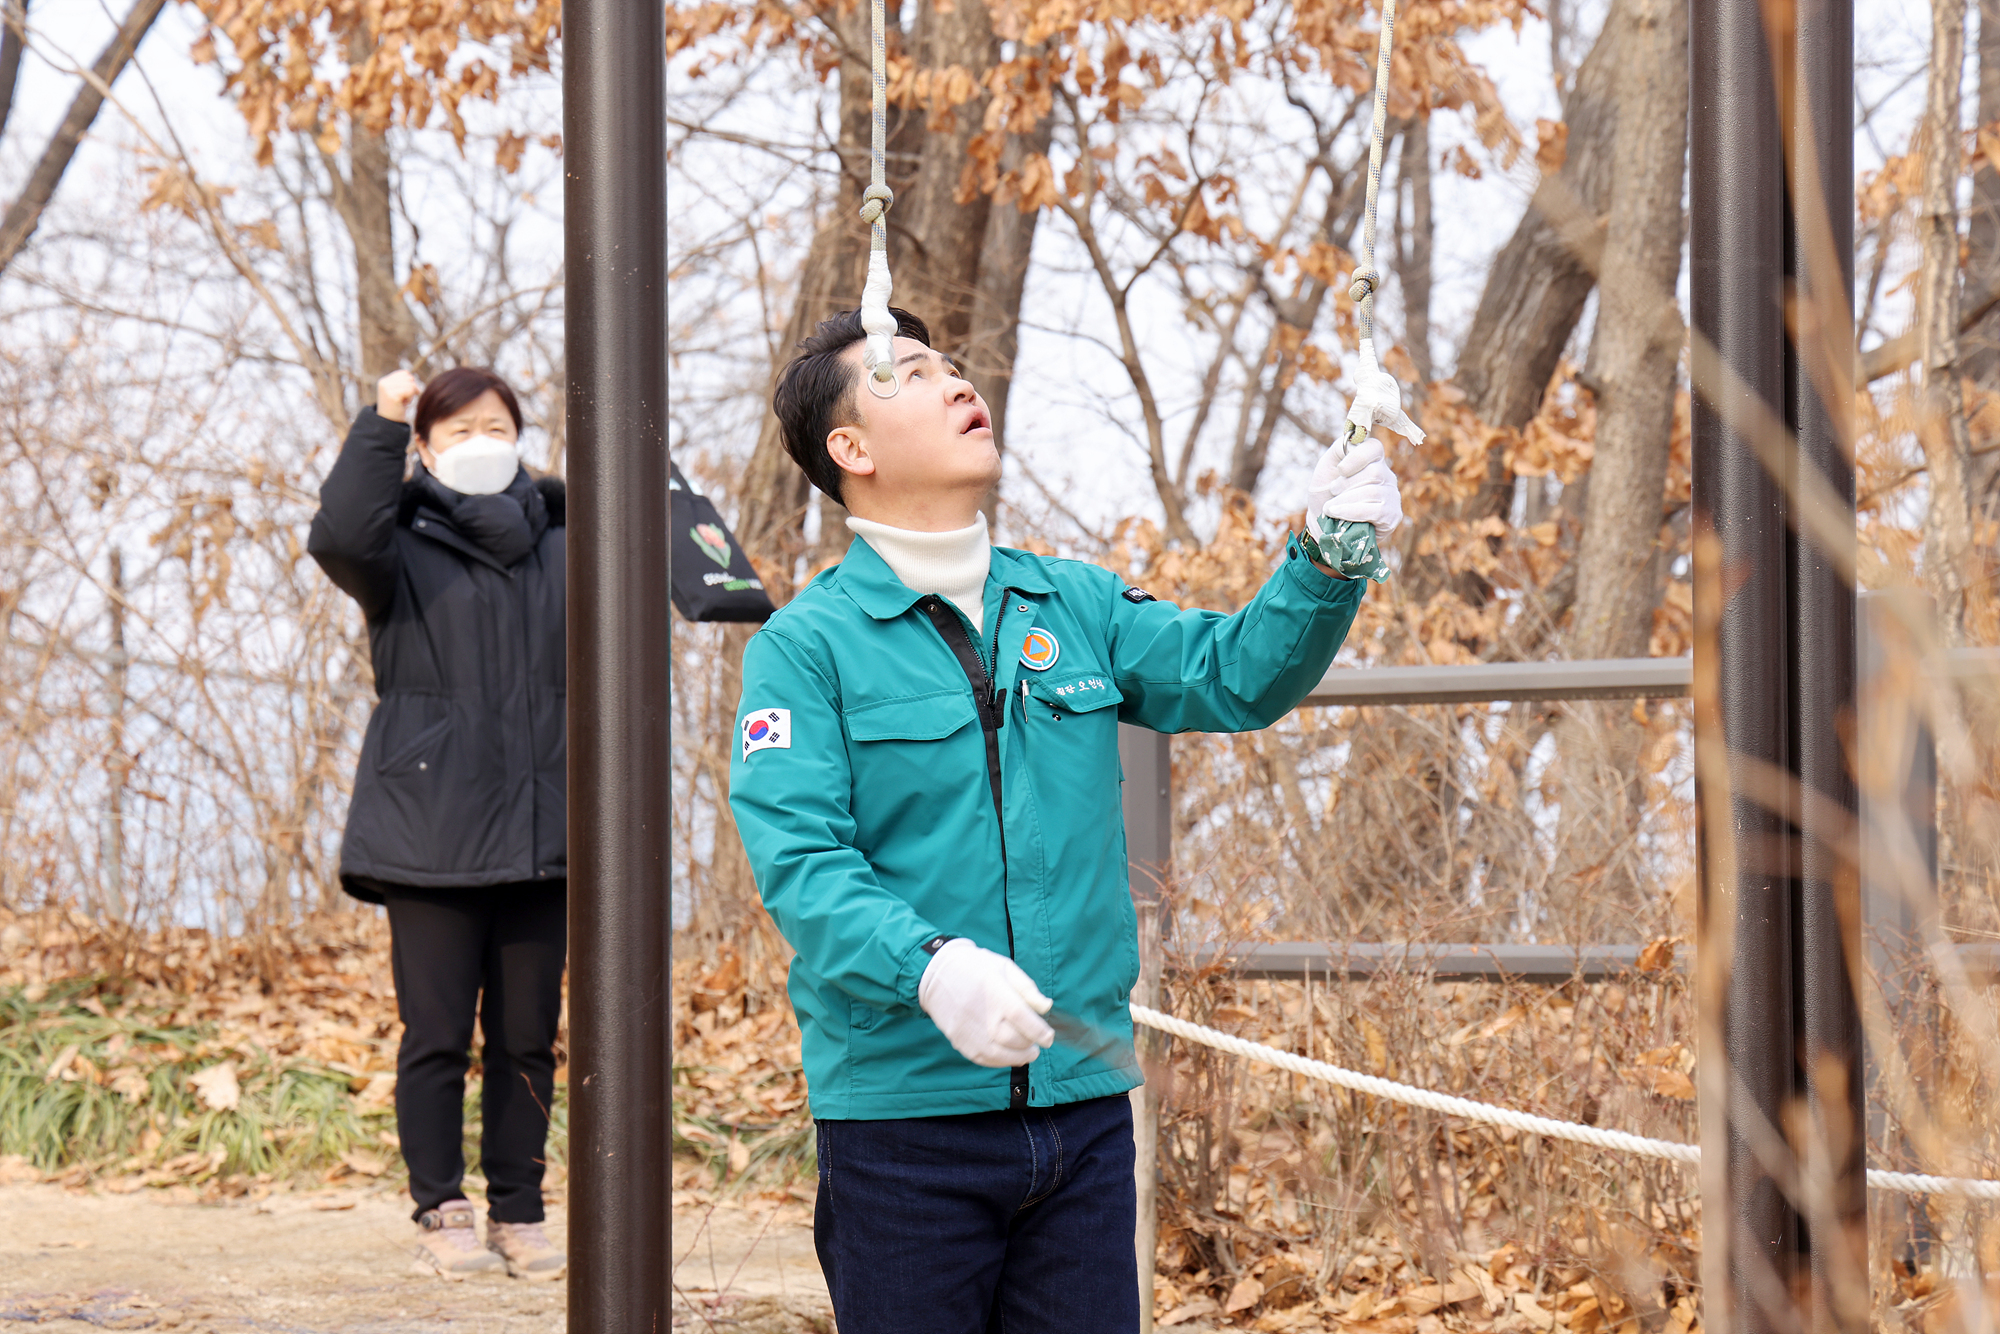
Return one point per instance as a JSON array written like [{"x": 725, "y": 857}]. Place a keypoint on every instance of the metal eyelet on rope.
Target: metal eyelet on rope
[{"x": 879, "y": 353}]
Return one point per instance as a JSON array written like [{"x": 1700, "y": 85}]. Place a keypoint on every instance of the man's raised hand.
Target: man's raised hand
[
  {"x": 987, "y": 1008},
  {"x": 394, "y": 393},
  {"x": 1355, "y": 484}
]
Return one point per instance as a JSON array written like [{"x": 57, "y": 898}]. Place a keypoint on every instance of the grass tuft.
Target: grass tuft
[{"x": 89, "y": 1086}]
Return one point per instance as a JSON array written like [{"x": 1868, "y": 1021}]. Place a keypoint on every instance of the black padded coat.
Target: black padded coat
[{"x": 461, "y": 779}]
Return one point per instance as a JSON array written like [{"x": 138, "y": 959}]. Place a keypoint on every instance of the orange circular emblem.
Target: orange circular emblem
[{"x": 1040, "y": 650}]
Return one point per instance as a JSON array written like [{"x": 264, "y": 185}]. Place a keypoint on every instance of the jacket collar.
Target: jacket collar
[
  {"x": 1016, "y": 570},
  {"x": 437, "y": 526},
  {"x": 867, "y": 578}
]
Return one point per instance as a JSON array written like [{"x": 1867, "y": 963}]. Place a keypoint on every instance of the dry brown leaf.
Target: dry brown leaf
[
  {"x": 1533, "y": 1312},
  {"x": 1200, "y": 1306},
  {"x": 1246, "y": 1294},
  {"x": 1489, "y": 1291},
  {"x": 1429, "y": 1297},
  {"x": 1551, "y": 146},
  {"x": 379, "y": 1091},
  {"x": 59, "y": 1067},
  {"x": 1377, "y": 1043},
  {"x": 1666, "y": 1082},
  {"x": 217, "y": 1087}
]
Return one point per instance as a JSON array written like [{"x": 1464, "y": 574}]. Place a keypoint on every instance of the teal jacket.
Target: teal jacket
[{"x": 862, "y": 785}]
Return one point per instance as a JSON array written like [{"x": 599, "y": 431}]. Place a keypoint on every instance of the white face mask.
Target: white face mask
[{"x": 483, "y": 465}]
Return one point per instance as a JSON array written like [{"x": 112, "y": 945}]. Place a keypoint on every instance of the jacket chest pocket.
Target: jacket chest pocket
[
  {"x": 910, "y": 718},
  {"x": 913, "y": 758},
  {"x": 1070, "y": 725},
  {"x": 1075, "y": 695}
]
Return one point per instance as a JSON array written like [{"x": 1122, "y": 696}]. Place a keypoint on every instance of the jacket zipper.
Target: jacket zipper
[
  {"x": 528, "y": 692},
  {"x": 992, "y": 712}
]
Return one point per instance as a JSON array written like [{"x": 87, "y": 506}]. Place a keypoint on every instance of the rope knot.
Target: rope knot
[
  {"x": 1364, "y": 284},
  {"x": 875, "y": 201}
]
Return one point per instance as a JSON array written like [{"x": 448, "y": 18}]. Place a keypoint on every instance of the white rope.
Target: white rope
[
  {"x": 879, "y": 354},
  {"x": 1367, "y": 278},
  {"x": 1408, "y": 1094},
  {"x": 1350, "y": 548}
]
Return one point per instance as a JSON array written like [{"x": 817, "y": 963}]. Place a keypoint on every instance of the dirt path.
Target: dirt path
[{"x": 318, "y": 1262}]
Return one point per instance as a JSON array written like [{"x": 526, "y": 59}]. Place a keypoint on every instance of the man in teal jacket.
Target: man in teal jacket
[{"x": 926, "y": 781}]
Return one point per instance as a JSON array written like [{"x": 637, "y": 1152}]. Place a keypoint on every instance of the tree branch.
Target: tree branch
[
  {"x": 25, "y": 213},
  {"x": 13, "y": 37},
  {"x": 1900, "y": 351}
]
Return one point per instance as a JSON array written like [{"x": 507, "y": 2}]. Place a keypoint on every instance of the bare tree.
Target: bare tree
[
  {"x": 1536, "y": 290},
  {"x": 1415, "y": 232},
  {"x": 25, "y": 213},
  {"x": 1979, "y": 349},
  {"x": 1533, "y": 297},
  {"x": 774, "y": 495},
  {"x": 1638, "y": 337},
  {"x": 13, "y": 40},
  {"x": 993, "y": 342},
  {"x": 959, "y": 259},
  {"x": 363, "y": 197},
  {"x": 1635, "y": 358},
  {"x": 1941, "y": 428}
]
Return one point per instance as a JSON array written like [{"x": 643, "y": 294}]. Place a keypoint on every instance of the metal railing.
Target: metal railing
[
  {"x": 1495, "y": 682},
  {"x": 1148, "y": 801}
]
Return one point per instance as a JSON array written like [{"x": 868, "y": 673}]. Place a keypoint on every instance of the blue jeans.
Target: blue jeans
[{"x": 994, "y": 1223}]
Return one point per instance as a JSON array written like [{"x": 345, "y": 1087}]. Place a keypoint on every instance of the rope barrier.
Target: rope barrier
[
  {"x": 1909, "y": 1183},
  {"x": 880, "y": 325}
]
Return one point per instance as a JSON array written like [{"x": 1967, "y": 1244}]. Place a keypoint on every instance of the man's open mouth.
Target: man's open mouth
[{"x": 978, "y": 421}]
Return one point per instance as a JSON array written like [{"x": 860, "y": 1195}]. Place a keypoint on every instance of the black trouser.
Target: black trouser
[{"x": 447, "y": 946}]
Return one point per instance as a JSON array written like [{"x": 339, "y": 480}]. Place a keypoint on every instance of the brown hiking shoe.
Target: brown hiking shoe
[
  {"x": 449, "y": 1245},
  {"x": 527, "y": 1250}
]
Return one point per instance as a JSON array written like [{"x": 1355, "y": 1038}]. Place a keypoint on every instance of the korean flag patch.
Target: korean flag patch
[{"x": 767, "y": 729}]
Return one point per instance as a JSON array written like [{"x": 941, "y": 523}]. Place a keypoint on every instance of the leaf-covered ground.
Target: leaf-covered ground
[{"x": 182, "y": 1069}]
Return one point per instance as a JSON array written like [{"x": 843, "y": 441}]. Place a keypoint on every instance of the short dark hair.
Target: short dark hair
[
  {"x": 815, "y": 393},
  {"x": 454, "y": 390}
]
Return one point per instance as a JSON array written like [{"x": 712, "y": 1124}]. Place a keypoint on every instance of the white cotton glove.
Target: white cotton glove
[
  {"x": 1356, "y": 484},
  {"x": 989, "y": 1010}
]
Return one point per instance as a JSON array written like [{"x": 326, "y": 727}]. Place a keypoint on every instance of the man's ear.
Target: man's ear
[{"x": 848, "y": 451}]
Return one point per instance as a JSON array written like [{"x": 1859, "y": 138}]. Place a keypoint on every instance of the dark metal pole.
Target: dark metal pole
[
  {"x": 1737, "y": 249},
  {"x": 614, "y": 202},
  {"x": 1834, "y": 1186}
]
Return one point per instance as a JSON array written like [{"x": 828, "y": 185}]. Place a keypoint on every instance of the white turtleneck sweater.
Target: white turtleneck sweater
[{"x": 952, "y": 565}]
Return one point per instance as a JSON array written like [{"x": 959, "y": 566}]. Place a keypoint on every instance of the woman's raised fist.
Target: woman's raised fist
[{"x": 394, "y": 393}]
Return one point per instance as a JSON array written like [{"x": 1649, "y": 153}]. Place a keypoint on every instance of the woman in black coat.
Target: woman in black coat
[{"x": 457, "y": 820}]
